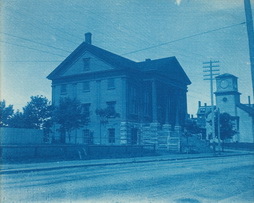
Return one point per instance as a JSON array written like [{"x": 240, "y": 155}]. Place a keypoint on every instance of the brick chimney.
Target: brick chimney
[
  {"x": 199, "y": 103},
  {"x": 88, "y": 38}
]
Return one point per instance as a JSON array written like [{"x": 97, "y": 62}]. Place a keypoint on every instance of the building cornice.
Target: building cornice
[{"x": 227, "y": 93}]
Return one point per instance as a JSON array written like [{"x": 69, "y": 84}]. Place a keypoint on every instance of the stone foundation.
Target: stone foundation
[{"x": 163, "y": 137}]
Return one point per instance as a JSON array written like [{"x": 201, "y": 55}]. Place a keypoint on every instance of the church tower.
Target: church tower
[{"x": 227, "y": 95}]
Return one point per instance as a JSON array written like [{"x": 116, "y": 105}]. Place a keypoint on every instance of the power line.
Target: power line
[
  {"x": 42, "y": 21},
  {"x": 202, "y": 33},
  {"x": 30, "y": 61},
  {"x": 35, "y": 25},
  {"x": 31, "y": 48},
  {"x": 35, "y": 42},
  {"x": 112, "y": 24}
]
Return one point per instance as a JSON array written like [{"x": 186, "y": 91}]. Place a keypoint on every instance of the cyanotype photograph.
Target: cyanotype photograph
[{"x": 127, "y": 101}]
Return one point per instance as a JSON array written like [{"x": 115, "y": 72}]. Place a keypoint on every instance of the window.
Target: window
[
  {"x": 111, "y": 83},
  {"x": 86, "y": 64},
  {"x": 74, "y": 90},
  {"x": 134, "y": 136},
  {"x": 63, "y": 89},
  {"x": 224, "y": 99},
  {"x": 146, "y": 103},
  {"x": 86, "y": 109},
  {"x": 133, "y": 101},
  {"x": 86, "y": 86},
  {"x": 202, "y": 110},
  {"x": 111, "y": 135},
  {"x": 111, "y": 107},
  {"x": 88, "y": 137}
]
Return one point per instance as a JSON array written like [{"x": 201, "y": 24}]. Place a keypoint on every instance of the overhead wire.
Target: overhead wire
[
  {"x": 14, "y": 44},
  {"x": 124, "y": 30},
  {"x": 180, "y": 39},
  {"x": 30, "y": 61},
  {"x": 127, "y": 30},
  {"x": 29, "y": 40},
  {"x": 154, "y": 46},
  {"x": 35, "y": 25}
]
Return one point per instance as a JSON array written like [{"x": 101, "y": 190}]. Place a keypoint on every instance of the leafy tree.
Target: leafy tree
[
  {"x": 70, "y": 115},
  {"x": 105, "y": 114},
  {"x": 226, "y": 126},
  {"x": 37, "y": 112},
  {"x": 17, "y": 120},
  {"x": 191, "y": 126},
  {"x": 6, "y": 112}
]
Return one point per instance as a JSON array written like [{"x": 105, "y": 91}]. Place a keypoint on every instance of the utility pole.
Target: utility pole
[
  {"x": 209, "y": 68},
  {"x": 250, "y": 32},
  {"x": 218, "y": 117}
]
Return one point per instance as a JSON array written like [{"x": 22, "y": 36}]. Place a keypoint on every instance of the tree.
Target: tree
[
  {"x": 191, "y": 126},
  {"x": 17, "y": 120},
  {"x": 226, "y": 126},
  {"x": 6, "y": 112},
  {"x": 105, "y": 114},
  {"x": 70, "y": 115},
  {"x": 37, "y": 112}
]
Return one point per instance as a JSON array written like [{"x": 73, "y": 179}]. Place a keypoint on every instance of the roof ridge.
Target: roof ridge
[{"x": 154, "y": 60}]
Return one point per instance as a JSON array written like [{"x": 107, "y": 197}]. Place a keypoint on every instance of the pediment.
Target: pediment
[{"x": 86, "y": 63}]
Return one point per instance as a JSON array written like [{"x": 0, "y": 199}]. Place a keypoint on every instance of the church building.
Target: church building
[{"x": 149, "y": 96}]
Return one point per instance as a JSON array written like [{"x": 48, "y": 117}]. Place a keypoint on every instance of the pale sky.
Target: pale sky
[{"x": 36, "y": 35}]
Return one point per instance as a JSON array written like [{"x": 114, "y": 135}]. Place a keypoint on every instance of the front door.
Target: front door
[{"x": 134, "y": 136}]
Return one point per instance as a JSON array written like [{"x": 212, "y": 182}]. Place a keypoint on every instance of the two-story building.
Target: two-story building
[
  {"x": 149, "y": 96},
  {"x": 228, "y": 101}
]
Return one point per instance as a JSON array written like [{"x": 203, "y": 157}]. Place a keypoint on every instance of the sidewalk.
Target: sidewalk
[{"x": 21, "y": 168}]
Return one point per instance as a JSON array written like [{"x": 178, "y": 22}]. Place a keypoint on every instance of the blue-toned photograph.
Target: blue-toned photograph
[{"x": 127, "y": 101}]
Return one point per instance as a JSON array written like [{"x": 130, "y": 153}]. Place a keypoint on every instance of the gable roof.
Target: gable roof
[
  {"x": 246, "y": 108},
  {"x": 168, "y": 66},
  {"x": 205, "y": 110}
]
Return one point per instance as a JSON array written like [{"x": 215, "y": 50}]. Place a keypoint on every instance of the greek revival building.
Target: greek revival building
[{"x": 149, "y": 96}]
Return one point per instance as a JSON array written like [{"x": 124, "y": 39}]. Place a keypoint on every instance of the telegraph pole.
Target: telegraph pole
[
  {"x": 209, "y": 68},
  {"x": 250, "y": 32},
  {"x": 218, "y": 117}
]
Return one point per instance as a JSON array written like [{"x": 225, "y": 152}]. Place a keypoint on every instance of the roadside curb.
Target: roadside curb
[{"x": 26, "y": 170}]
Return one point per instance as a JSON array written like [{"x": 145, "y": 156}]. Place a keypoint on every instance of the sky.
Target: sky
[{"x": 37, "y": 35}]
